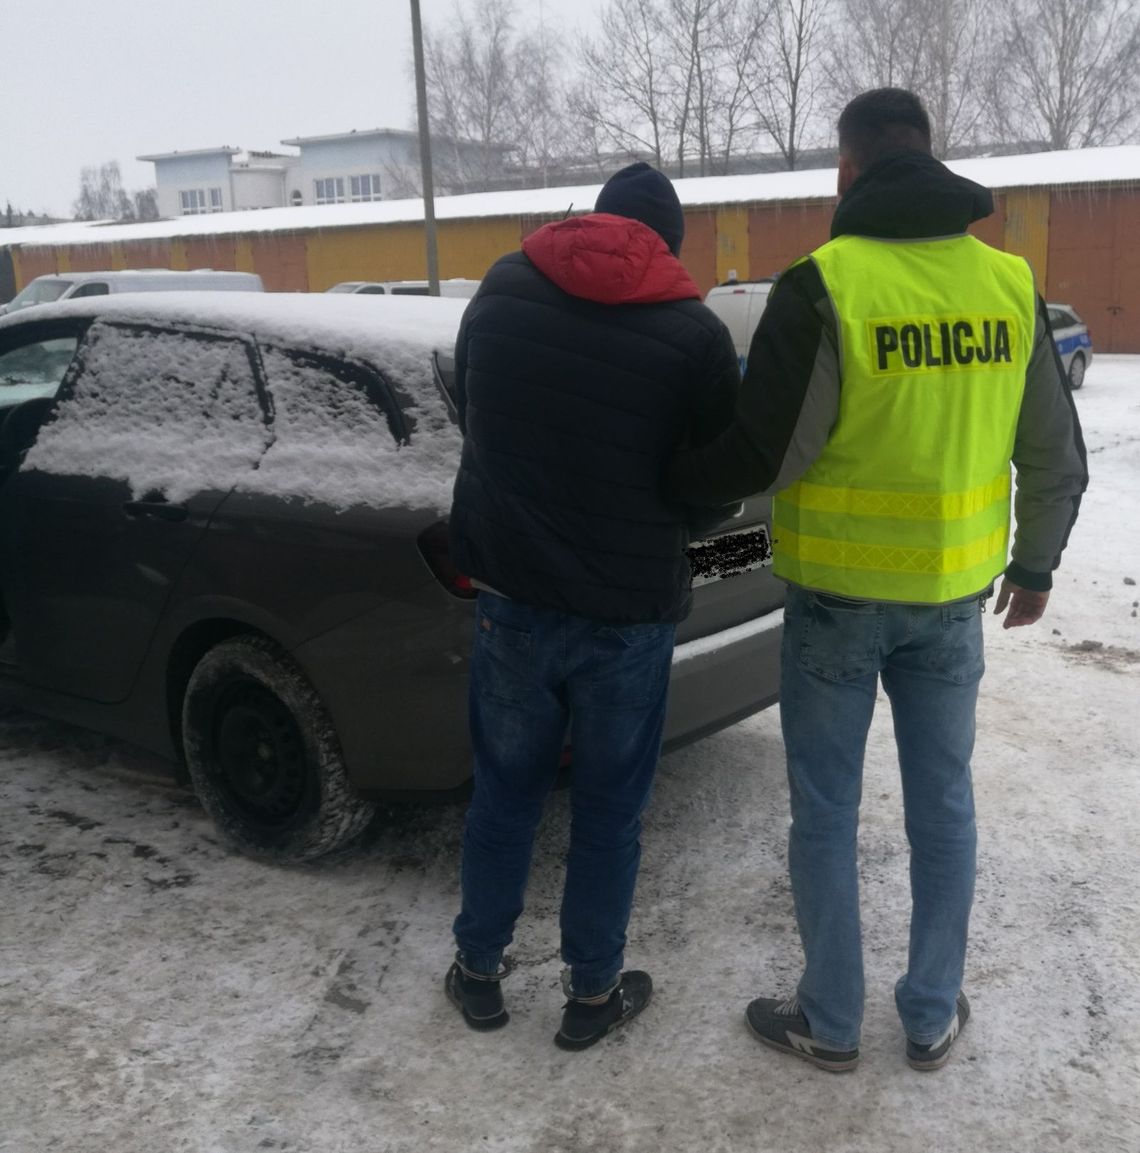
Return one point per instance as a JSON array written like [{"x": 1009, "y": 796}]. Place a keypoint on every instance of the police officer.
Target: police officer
[{"x": 894, "y": 375}]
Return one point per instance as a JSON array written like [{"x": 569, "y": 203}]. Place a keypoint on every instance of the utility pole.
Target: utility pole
[{"x": 425, "y": 153}]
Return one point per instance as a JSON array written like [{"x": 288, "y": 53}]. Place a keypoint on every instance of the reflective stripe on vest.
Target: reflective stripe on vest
[{"x": 909, "y": 500}]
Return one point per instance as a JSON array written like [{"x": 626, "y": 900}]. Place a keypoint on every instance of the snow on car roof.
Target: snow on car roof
[
  {"x": 373, "y": 327},
  {"x": 331, "y": 445},
  {"x": 1068, "y": 168}
]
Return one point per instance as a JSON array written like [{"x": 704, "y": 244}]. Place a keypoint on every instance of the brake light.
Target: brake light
[{"x": 436, "y": 551}]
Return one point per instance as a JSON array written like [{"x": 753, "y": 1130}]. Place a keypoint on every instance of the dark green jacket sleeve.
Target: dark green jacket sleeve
[
  {"x": 787, "y": 406},
  {"x": 1051, "y": 463}
]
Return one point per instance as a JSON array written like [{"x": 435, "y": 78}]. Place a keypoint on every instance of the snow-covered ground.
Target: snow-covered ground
[{"x": 159, "y": 993}]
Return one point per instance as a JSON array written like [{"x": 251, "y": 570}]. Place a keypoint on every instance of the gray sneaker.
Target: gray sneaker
[
  {"x": 925, "y": 1058},
  {"x": 782, "y": 1025}
]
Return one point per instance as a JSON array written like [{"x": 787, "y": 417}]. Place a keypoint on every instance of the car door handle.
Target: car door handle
[{"x": 158, "y": 509}]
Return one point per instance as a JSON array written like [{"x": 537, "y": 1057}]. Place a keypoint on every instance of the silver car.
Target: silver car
[{"x": 1071, "y": 335}]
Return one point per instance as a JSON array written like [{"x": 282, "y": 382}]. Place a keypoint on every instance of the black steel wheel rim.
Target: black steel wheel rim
[{"x": 259, "y": 757}]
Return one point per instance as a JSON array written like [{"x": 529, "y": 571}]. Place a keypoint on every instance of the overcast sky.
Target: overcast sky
[{"x": 86, "y": 81}]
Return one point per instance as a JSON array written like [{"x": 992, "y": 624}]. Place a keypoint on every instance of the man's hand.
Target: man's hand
[{"x": 1026, "y": 607}]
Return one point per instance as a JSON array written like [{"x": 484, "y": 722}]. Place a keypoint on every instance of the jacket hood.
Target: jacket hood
[
  {"x": 609, "y": 260},
  {"x": 907, "y": 195}
]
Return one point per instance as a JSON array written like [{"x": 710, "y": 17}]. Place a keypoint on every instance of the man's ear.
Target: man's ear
[{"x": 847, "y": 174}]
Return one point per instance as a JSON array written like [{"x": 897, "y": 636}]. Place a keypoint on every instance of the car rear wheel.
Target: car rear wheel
[
  {"x": 264, "y": 757},
  {"x": 1076, "y": 372}
]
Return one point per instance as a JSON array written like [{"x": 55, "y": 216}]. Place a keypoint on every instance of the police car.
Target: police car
[{"x": 1071, "y": 335}]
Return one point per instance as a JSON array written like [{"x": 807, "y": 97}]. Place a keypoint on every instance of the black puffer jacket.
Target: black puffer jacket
[{"x": 575, "y": 384}]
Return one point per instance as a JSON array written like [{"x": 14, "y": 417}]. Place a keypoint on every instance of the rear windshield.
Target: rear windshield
[{"x": 41, "y": 291}]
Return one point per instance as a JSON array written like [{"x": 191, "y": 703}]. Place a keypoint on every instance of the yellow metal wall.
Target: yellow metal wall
[
  {"x": 396, "y": 252},
  {"x": 732, "y": 243},
  {"x": 1027, "y": 228},
  {"x": 753, "y": 240}
]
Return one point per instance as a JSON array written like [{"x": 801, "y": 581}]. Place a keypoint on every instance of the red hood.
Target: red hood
[{"x": 609, "y": 259}]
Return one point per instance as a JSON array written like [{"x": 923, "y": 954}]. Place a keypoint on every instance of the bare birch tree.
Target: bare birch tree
[
  {"x": 1069, "y": 71},
  {"x": 786, "y": 96},
  {"x": 713, "y": 52},
  {"x": 622, "y": 96},
  {"x": 956, "y": 59},
  {"x": 539, "y": 120},
  {"x": 935, "y": 48},
  {"x": 471, "y": 93},
  {"x": 732, "y": 129},
  {"x": 874, "y": 44}
]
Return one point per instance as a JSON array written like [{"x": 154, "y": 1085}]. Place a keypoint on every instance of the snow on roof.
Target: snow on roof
[
  {"x": 372, "y": 327},
  {"x": 1078, "y": 167},
  {"x": 224, "y": 150},
  {"x": 353, "y": 134}
]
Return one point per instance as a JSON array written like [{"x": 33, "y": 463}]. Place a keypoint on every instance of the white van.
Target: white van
[
  {"x": 72, "y": 285},
  {"x": 457, "y": 286},
  {"x": 739, "y": 304}
]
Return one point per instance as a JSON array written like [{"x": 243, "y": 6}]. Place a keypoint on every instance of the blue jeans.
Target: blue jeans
[
  {"x": 930, "y": 660},
  {"x": 536, "y": 676}
]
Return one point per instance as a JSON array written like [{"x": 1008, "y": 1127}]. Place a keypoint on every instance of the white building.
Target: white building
[
  {"x": 352, "y": 167},
  {"x": 212, "y": 180},
  {"x": 344, "y": 168}
]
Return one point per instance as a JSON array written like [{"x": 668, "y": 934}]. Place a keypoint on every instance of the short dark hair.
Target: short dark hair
[{"x": 880, "y": 121}]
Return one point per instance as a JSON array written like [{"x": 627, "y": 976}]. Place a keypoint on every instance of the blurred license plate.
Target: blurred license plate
[{"x": 730, "y": 554}]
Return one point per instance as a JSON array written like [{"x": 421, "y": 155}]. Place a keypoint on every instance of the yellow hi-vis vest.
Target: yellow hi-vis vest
[{"x": 909, "y": 500}]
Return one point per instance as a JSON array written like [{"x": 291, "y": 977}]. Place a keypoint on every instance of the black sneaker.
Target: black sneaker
[
  {"x": 479, "y": 999},
  {"x": 933, "y": 1056},
  {"x": 783, "y": 1026},
  {"x": 583, "y": 1024}
]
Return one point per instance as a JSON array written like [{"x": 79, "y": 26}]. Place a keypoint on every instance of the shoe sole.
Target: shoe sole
[
  {"x": 479, "y": 1024},
  {"x": 818, "y": 1062},
  {"x": 928, "y": 1066}
]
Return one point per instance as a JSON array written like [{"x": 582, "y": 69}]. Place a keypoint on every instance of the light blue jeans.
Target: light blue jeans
[{"x": 930, "y": 660}]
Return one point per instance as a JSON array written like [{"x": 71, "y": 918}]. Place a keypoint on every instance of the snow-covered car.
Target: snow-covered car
[
  {"x": 457, "y": 287},
  {"x": 225, "y": 540},
  {"x": 1071, "y": 335},
  {"x": 76, "y": 285}
]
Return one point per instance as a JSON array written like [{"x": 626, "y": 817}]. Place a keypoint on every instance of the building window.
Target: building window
[
  {"x": 193, "y": 201},
  {"x": 330, "y": 191},
  {"x": 365, "y": 187},
  {"x": 196, "y": 201}
]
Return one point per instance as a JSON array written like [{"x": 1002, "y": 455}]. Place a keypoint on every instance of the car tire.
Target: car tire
[
  {"x": 264, "y": 757},
  {"x": 1076, "y": 371}
]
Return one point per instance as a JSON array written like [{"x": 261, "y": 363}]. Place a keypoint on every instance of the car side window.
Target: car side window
[
  {"x": 35, "y": 369},
  {"x": 92, "y": 288},
  {"x": 371, "y": 290},
  {"x": 169, "y": 412},
  {"x": 339, "y": 431}
]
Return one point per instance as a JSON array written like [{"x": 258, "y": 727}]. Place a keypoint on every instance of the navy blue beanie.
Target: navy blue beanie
[{"x": 642, "y": 193}]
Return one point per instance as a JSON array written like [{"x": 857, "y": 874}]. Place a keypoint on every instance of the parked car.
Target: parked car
[
  {"x": 739, "y": 304},
  {"x": 75, "y": 285},
  {"x": 225, "y": 540},
  {"x": 456, "y": 287},
  {"x": 1071, "y": 335}
]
